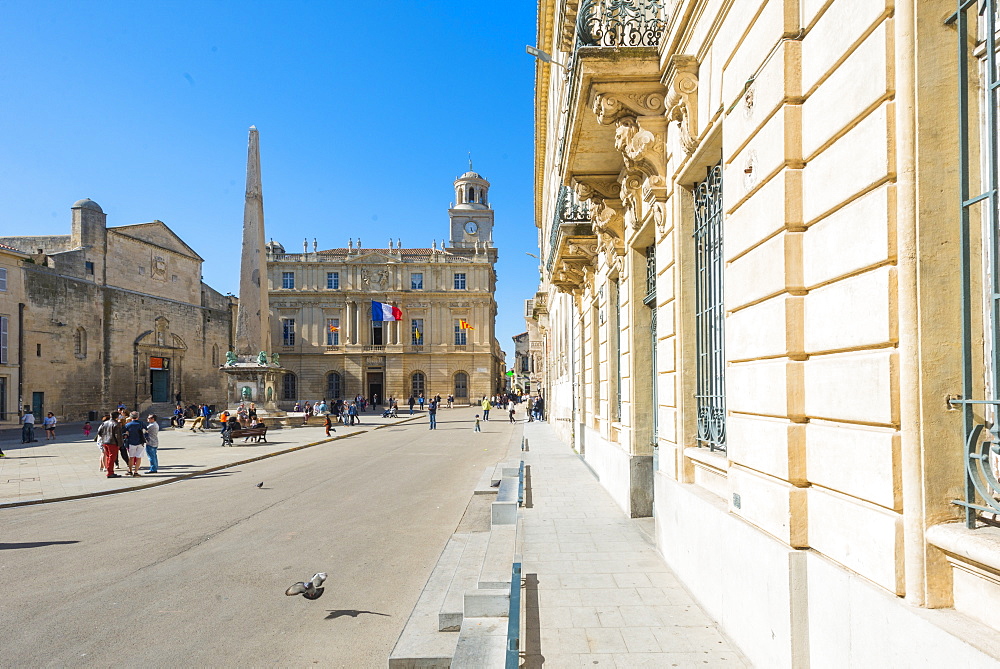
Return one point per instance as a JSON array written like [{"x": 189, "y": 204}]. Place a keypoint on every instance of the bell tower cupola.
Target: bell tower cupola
[{"x": 471, "y": 215}]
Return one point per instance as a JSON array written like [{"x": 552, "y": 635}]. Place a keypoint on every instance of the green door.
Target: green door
[
  {"x": 159, "y": 380},
  {"x": 37, "y": 405}
]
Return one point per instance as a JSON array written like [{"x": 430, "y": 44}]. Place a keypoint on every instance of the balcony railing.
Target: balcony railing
[
  {"x": 373, "y": 349},
  {"x": 568, "y": 210},
  {"x": 619, "y": 23}
]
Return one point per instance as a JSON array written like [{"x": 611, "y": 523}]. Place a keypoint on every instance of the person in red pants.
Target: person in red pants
[{"x": 109, "y": 442}]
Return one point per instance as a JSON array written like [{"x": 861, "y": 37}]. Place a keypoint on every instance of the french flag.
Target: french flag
[{"x": 385, "y": 312}]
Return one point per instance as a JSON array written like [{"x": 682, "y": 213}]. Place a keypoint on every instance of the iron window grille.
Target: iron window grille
[
  {"x": 618, "y": 349},
  {"x": 710, "y": 394},
  {"x": 417, "y": 383},
  {"x": 333, "y": 386},
  {"x": 976, "y": 23},
  {"x": 461, "y": 385},
  {"x": 288, "y": 386}
]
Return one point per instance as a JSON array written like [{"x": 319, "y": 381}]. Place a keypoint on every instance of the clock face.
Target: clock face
[{"x": 472, "y": 227}]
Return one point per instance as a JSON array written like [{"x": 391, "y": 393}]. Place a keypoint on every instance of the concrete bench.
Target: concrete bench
[
  {"x": 495, "y": 573},
  {"x": 485, "y": 485},
  {"x": 504, "y": 509},
  {"x": 420, "y": 644},
  {"x": 465, "y": 577}
]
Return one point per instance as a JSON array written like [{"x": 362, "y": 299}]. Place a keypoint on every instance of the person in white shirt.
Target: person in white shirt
[
  {"x": 152, "y": 443},
  {"x": 28, "y": 427}
]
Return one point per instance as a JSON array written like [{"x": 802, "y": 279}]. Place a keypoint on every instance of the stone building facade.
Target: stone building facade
[
  {"x": 11, "y": 313},
  {"x": 322, "y": 324},
  {"x": 115, "y": 315},
  {"x": 757, "y": 223}
]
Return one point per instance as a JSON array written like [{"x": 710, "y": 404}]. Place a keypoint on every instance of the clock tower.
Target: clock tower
[{"x": 471, "y": 216}]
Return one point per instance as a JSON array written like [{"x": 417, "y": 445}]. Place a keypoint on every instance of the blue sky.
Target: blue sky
[{"x": 366, "y": 112}]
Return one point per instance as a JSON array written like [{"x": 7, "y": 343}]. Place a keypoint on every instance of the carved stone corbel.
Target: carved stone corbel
[{"x": 682, "y": 98}]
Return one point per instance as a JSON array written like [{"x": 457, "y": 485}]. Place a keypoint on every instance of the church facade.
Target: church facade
[
  {"x": 444, "y": 342},
  {"x": 108, "y": 315}
]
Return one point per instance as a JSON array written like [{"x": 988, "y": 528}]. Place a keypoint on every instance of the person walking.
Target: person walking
[
  {"x": 352, "y": 413},
  {"x": 511, "y": 412},
  {"x": 328, "y": 424},
  {"x": 28, "y": 427},
  {"x": 49, "y": 423},
  {"x": 152, "y": 443},
  {"x": 106, "y": 437},
  {"x": 432, "y": 410},
  {"x": 411, "y": 402},
  {"x": 135, "y": 436},
  {"x": 122, "y": 419},
  {"x": 478, "y": 429},
  {"x": 486, "y": 408}
]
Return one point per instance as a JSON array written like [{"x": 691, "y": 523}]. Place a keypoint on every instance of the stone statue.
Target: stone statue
[
  {"x": 275, "y": 360},
  {"x": 230, "y": 358},
  {"x": 246, "y": 393},
  {"x": 269, "y": 393},
  {"x": 262, "y": 358}
]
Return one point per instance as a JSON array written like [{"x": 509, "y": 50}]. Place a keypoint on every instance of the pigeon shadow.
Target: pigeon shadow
[
  {"x": 33, "y": 544},
  {"x": 353, "y": 613}
]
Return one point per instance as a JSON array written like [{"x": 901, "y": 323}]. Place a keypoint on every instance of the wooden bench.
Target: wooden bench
[{"x": 258, "y": 434}]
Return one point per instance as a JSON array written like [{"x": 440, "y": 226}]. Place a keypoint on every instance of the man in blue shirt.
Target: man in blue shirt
[{"x": 135, "y": 440}]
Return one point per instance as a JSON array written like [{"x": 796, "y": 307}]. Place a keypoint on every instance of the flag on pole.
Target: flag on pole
[
  {"x": 385, "y": 312},
  {"x": 334, "y": 328},
  {"x": 464, "y": 324},
  {"x": 416, "y": 335}
]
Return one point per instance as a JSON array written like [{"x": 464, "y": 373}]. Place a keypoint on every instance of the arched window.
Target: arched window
[
  {"x": 418, "y": 383},
  {"x": 288, "y": 385},
  {"x": 461, "y": 385},
  {"x": 472, "y": 194},
  {"x": 333, "y": 386},
  {"x": 80, "y": 343}
]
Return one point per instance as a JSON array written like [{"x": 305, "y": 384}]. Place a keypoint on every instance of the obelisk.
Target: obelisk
[{"x": 253, "y": 331}]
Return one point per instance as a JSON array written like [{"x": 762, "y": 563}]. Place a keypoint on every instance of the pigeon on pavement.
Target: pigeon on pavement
[
  {"x": 311, "y": 589},
  {"x": 260, "y": 485}
]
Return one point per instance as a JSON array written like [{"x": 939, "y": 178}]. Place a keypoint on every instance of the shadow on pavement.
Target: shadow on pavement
[
  {"x": 532, "y": 651},
  {"x": 354, "y": 613},
  {"x": 33, "y": 544}
]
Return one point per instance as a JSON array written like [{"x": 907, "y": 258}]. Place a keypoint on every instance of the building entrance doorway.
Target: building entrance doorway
[
  {"x": 374, "y": 385},
  {"x": 159, "y": 379},
  {"x": 38, "y": 405}
]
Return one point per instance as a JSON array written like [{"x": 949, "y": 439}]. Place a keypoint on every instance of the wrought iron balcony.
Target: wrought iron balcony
[
  {"x": 568, "y": 210},
  {"x": 621, "y": 23}
]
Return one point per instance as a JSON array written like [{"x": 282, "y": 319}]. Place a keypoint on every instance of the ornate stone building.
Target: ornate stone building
[
  {"x": 116, "y": 315},
  {"x": 322, "y": 323},
  {"x": 769, "y": 238}
]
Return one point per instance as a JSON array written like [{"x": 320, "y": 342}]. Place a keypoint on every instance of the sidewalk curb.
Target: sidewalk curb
[{"x": 175, "y": 479}]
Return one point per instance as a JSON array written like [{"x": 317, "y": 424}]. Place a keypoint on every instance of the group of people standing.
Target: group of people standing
[{"x": 123, "y": 434}]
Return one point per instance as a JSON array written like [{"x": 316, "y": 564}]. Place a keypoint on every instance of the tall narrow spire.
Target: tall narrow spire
[{"x": 253, "y": 332}]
